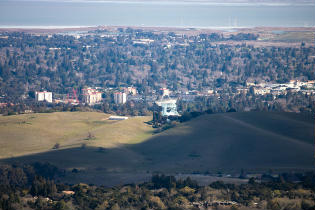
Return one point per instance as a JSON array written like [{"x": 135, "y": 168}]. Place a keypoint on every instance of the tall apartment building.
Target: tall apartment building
[
  {"x": 43, "y": 96},
  {"x": 120, "y": 98},
  {"x": 91, "y": 96}
]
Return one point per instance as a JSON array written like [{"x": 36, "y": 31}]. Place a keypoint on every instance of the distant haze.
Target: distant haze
[
  {"x": 196, "y": 1},
  {"x": 192, "y": 13}
]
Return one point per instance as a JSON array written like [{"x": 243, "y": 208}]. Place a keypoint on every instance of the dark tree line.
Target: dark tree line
[{"x": 32, "y": 187}]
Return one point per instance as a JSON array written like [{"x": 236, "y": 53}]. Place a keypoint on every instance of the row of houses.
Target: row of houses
[{"x": 283, "y": 88}]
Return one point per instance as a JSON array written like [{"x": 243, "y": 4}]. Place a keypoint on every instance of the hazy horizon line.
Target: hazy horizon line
[
  {"x": 140, "y": 26},
  {"x": 197, "y": 2}
]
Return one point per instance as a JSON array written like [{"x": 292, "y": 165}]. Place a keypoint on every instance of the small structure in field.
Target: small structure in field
[{"x": 117, "y": 118}]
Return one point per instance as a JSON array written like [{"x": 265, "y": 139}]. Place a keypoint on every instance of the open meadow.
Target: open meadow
[{"x": 35, "y": 133}]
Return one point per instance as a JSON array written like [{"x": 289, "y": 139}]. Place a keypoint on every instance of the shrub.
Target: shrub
[{"x": 56, "y": 146}]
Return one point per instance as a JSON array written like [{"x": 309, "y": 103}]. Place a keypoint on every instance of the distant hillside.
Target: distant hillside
[{"x": 228, "y": 142}]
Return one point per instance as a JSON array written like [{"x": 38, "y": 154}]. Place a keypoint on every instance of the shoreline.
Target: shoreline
[
  {"x": 269, "y": 36},
  {"x": 187, "y": 28}
]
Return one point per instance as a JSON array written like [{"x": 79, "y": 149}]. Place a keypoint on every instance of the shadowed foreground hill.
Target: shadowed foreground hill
[
  {"x": 227, "y": 142},
  {"x": 251, "y": 140}
]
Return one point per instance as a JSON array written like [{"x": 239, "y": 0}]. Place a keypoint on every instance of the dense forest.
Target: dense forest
[
  {"x": 57, "y": 62},
  {"x": 149, "y": 61}
]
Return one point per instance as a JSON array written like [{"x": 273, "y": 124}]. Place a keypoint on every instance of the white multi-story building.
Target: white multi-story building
[
  {"x": 91, "y": 96},
  {"x": 120, "y": 98},
  {"x": 43, "y": 96},
  {"x": 169, "y": 107}
]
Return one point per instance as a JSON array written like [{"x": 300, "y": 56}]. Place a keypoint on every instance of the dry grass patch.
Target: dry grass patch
[{"x": 34, "y": 133}]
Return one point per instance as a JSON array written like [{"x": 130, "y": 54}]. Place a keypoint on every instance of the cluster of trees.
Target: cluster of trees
[
  {"x": 17, "y": 181},
  {"x": 292, "y": 102},
  {"x": 32, "y": 187}
]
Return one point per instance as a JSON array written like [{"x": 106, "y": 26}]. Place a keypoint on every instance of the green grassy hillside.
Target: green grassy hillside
[
  {"x": 127, "y": 150},
  {"x": 34, "y": 133}
]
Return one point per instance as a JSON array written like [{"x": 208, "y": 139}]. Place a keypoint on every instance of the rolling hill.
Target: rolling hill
[
  {"x": 34, "y": 133},
  {"x": 125, "y": 151},
  {"x": 231, "y": 141}
]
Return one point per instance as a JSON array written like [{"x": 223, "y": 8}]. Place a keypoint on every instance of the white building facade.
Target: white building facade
[
  {"x": 43, "y": 96},
  {"x": 169, "y": 107},
  {"x": 91, "y": 96},
  {"x": 120, "y": 98}
]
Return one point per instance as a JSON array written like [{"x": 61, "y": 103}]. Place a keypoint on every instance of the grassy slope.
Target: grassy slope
[
  {"x": 233, "y": 141},
  {"x": 219, "y": 142},
  {"x": 33, "y": 133}
]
